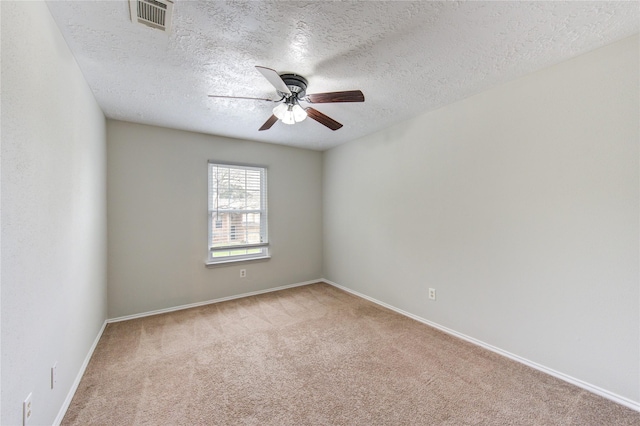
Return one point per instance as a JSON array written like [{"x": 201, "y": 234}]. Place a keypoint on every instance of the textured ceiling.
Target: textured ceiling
[{"x": 407, "y": 57}]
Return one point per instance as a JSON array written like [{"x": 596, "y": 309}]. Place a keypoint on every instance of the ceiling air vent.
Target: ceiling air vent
[{"x": 154, "y": 13}]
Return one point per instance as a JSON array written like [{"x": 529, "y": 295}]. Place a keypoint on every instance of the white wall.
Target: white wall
[
  {"x": 157, "y": 217},
  {"x": 520, "y": 205},
  {"x": 53, "y": 214}
]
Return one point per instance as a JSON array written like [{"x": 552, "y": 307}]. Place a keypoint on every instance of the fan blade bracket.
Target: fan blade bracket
[{"x": 331, "y": 97}]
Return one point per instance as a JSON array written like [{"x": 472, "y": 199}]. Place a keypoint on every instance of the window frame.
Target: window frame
[{"x": 263, "y": 211}]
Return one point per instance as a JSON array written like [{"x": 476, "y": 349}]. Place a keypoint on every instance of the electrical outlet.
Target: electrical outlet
[
  {"x": 54, "y": 375},
  {"x": 27, "y": 410},
  {"x": 243, "y": 273},
  {"x": 432, "y": 293}
]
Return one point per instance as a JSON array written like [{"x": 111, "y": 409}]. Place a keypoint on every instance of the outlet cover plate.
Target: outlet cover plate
[
  {"x": 432, "y": 294},
  {"x": 27, "y": 410},
  {"x": 54, "y": 375}
]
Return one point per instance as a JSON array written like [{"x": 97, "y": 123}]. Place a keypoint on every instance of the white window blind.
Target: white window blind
[{"x": 237, "y": 212}]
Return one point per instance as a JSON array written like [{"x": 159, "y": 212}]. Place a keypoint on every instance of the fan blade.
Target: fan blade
[
  {"x": 241, "y": 97},
  {"x": 267, "y": 124},
  {"x": 346, "y": 96},
  {"x": 275, "y": 79},
  {"x": 323, "y": 119}
]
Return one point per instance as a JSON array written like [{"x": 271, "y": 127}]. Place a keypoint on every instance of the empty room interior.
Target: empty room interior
[{"x": 314, "y": 212}]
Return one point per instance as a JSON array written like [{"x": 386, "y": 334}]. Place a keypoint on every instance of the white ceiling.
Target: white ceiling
[{"x": 407, "y": 57}]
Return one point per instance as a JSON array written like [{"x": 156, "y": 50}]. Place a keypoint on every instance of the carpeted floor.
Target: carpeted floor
[{"x": 315, "y": 355}]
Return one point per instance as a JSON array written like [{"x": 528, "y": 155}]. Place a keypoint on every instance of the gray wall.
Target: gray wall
[
  {"x": 157, "y": 217},
  {"x": 53, "y": 214},
  {"x": 520, "y": 205}
]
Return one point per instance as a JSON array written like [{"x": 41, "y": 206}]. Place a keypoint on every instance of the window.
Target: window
[{"x": 237, "y": 213}]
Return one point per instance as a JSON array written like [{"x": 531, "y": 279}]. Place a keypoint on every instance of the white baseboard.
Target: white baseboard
[
  {"x": 634, "y": 405},
  {"x": 209, "y": 302},
  {"x": 74, "y": 386}
]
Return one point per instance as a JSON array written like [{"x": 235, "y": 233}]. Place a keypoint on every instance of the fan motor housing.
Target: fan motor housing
[{"x": 296, "y": 83}]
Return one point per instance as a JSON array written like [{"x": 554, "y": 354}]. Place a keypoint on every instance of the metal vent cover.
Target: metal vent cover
[{"x": 153, "y": 13}]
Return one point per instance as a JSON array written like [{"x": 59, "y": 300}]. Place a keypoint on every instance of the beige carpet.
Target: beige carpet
[{"x": 315, "y": 355}]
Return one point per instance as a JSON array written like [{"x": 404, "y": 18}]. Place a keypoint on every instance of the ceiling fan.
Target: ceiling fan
[{"x": 292, "y": 88}]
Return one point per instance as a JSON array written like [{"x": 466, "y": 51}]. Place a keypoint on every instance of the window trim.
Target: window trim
[{"x": 263, "y": 211}]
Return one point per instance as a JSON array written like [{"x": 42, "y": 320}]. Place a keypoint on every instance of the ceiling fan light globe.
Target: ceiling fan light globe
[
  {"x": 280, "y": 110},
  {"x": 299, "y": 113}
]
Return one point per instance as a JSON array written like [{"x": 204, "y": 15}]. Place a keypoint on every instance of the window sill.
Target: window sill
[{"x": 234, "y": 261}]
